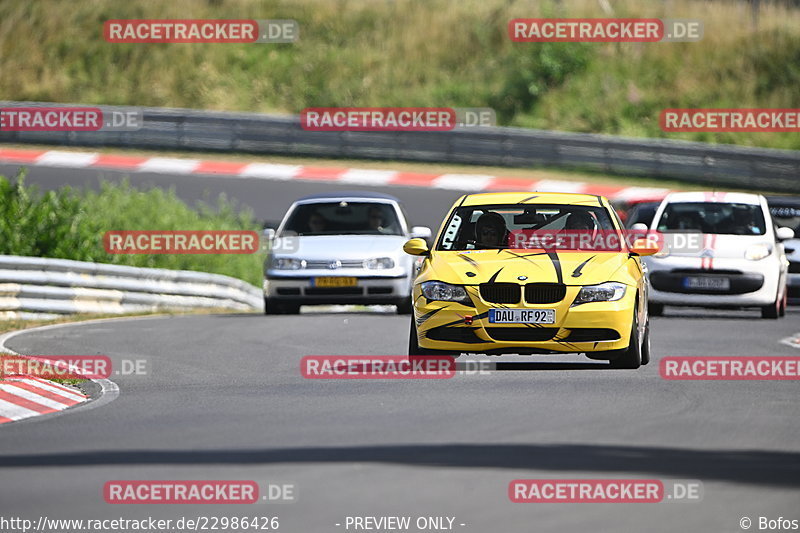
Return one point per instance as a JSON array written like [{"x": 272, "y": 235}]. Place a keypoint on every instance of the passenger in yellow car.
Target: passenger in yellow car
[{"x": 580, "y": 220}]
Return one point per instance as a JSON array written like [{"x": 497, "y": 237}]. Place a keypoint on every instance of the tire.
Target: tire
[
  {"x": 415, "y": 350},
  {"x": 413, "y": 342},
  {"x": 655, "y": 309},
  {"x": 405, "y": 307},
  {"x": 290, "y": 308},
  {"x": 630, "y": 357},
  {"x": 784, "y": 303},
  {"x": 772, "y": 310},
  {"x": 271, "y": 307},
  {"x": 646, "y": 344}
]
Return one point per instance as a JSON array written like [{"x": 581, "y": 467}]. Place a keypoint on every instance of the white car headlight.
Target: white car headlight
[
  {"x": 438, "y": 290},
  {"x": 288, "y": 263},
  {"x": 605, "y": 292},
  {"x": 379, "y": 263},
  {"x": 758, "y": 251}
]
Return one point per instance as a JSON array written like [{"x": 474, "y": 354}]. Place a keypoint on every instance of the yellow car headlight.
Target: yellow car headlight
[
  {"x": 605, "y": 292},
  {"x": 444, "y": 292}
]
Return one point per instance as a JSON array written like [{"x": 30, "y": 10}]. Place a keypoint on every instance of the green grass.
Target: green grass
[
  {"x": 70, "y": 224},
  {"x": 415, "y": 53}
]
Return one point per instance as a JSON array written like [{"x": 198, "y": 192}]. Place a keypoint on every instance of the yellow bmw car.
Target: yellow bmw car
[{"x": 488, "y": 286}]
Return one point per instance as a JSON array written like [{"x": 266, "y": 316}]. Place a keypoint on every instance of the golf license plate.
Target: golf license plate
[
  {"x": 334, "y": 281},
  {"x": 719, "y": 284},
  {"x": 522, "y": 316}
]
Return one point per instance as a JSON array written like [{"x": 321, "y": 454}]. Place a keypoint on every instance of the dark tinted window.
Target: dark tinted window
[
  {"x": 342, "y": 218},
  {"x": 713, "y": 217}
]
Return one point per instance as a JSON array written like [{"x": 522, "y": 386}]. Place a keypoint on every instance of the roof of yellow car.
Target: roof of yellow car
[{"x": 501, "y": 198}]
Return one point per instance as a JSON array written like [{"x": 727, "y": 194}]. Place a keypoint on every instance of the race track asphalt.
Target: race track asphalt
[{"x": 224, "y": 399}]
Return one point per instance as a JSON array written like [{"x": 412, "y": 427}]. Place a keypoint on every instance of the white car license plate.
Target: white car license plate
[
  {"x": 522, "y": 316},
  {"x": 720, "y": 284}
]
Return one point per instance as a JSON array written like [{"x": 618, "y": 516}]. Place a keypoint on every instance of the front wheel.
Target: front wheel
[
  {"x": 405, "y": 307},
  {"x": 646, "y": 344},
  {"x": 632, "y": 357},
  {"x": 772, "y": 310},
  {"x": 272, "y": 307},
  {"x": 784, "y": 303},
  {"x": 415, "y": 350}
]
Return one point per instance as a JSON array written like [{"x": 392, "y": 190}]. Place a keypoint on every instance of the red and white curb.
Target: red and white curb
[
  {"x": 354, "y": 176},
  {"x": 23, "y": 397}
]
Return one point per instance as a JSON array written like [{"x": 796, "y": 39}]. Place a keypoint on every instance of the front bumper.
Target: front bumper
[
  {"x": 369, "y": 289},
  {"x": 751, "y": 283},
  {"x": 590, "y": 327}
]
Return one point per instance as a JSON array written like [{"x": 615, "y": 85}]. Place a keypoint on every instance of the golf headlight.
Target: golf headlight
[
  {"x": 758, "y": 251},
  {"x": 605, "y": 292},
  {"x": 379, "y": 263},
  {"x": 438, "y": 290},
  {"x": 287, "y": 263}
]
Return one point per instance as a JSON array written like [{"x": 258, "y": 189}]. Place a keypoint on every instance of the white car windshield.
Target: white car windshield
[
  {"x": 713, "y": 217},
  {"x": 343, "y": 218}
]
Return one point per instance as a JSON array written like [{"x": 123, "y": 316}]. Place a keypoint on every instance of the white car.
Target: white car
[
  {"x": 340, "y": 248},
  {"x": 785, "y": 211},
  {"x": 723, "y": 250}
]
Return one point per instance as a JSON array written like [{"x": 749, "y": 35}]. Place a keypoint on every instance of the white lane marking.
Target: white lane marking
[
  {"x": 32, "y": 396},
  {"x": 368, "y": 177},
  {"x": 270, "y": 171},
  {"x": 462, "y": 182},
  {"x": 793, "y": 341},
  {"x": 54, "y": 158},
  {"x": 14, "y": 411},
  {"x": 169, "y": 165},
  {"x": 50, "y": 388}
]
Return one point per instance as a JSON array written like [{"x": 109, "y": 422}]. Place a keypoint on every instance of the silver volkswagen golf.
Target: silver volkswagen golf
[{"x": 340, "y": 248}]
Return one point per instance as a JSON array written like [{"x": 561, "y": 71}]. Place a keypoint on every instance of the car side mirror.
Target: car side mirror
[
  {"x": 416, "y": 246},
  {"x": 639, "y": 226},
  {"x": 269, "y": 234},
  {"x": 421, "y": 232},
  {"x": 645, "y": 247},
  {"x": 784, "y": 234}
]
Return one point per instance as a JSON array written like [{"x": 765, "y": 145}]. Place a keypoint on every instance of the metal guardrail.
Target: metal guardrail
[
  {"x": 183, "y": 129},
  {"x": 32, "y": 286}
]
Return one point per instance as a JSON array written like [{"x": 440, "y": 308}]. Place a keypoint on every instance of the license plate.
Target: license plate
[
  {"x": 522, "y": 316},
  {"x": 334, "y": 281},
  {"x": 720, "y": 284}
]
